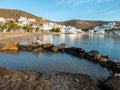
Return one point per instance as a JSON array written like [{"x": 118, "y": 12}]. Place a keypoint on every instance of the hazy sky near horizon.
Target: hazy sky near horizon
[{"x": 62, "y": 10}]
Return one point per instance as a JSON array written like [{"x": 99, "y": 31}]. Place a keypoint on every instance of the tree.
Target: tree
[
  {"x": 28, "y": 28},
  {"x": 10, "y": 26},
  {"x": 37, "y": 29},
  {"x": 56, "y": 30}
]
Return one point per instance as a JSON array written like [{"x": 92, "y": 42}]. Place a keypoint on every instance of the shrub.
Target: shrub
[
  {"x": 56, "y": 30},
  {"x": 28, "y": 28}
]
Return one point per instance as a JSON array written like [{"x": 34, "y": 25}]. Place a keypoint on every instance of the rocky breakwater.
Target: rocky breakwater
[
  {"x": 39, "y": 46},
  {"x": 94, "y": 56},
  {"x": 25, "y": 80}
]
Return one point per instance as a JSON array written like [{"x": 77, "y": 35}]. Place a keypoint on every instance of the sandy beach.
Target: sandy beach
[{"x": 17, "y": 37}]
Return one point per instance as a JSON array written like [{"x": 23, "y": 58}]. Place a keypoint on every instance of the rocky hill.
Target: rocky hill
[
  {"x": 82, "y": 24},
  {"x": 8, "y": 13}
]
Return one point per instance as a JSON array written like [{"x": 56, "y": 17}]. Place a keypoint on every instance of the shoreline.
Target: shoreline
[
  {"x": 17, "y": 36},
  {"x": 7, "y": 37}
]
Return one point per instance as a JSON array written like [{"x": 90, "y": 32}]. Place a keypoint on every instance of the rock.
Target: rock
[
  {"x": 4, "y": 71},
  {"x": 59, "y": 47},
  {"x": 82, "y": 55},
  {"x": 33, "y": 42},
  {"x": 104, "y": 58},
  {"x": 115, "y": 66},
  {"x": 47, "y": 46},
  {"x": 68, "y": 81},
  {"x": 112, "y": 83},
  {"x": 9, "y": 47},
  {"x": 39, "y": 43},
  {"x": 74, "y": 50},
  {"x": 27, "y": 47},
  {"x": 28, "y": 80},
  {"x": 117, "y": 75},
  {"x": 37, "y": 50},
  {"x": 93, "y": 55}
]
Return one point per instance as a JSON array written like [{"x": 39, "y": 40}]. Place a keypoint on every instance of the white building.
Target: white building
[
  {"x": 2, "y": 19},
  {"x": 68, "y": 29},
  {"x": 63, "y": 28},
  {"x": 31, "y": 20},
  {"x": 109, "y": 25},
  {"x": 48, "y": 26},
  {"x": 102, "y": 28},
  {"x": 23, "y": 21}
]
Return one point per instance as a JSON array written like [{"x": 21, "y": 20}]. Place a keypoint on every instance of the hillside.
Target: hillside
[
  {"x": 8, "y": 13},
  {"x": 82, "y": 24}
]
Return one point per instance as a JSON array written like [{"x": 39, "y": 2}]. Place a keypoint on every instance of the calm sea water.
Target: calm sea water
[{"x": 49, "y": 62}]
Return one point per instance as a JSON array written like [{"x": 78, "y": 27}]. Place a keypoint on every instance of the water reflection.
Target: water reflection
[
  {"x": 10, "y": 52},
  {"x": 49, "y": 62},
  {"x": 107, "y": 45}
]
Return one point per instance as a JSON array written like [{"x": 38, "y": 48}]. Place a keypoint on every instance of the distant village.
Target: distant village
[
  {"x": 109, "y": 27},
  {"x": 48, "y": 26}
]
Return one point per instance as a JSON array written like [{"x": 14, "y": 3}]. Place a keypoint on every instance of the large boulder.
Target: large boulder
[
  {"x": 27, "y": 47},
  {"x": 47, "y": 46},
  {"x": 31, "y": 44},
  {"x": 76, "y": 51},
  {"x": 115, "y": 66},
  {"x": 39, "y": 43},
  {"x": 59, "y": 47},
  {"x": 112, "y": 83},
  {"x": 93, "y": 55},
  {"x": 9, "y": 47},
  {"x": 37, "y": 50},
  {"x": 104, "y": 58}
]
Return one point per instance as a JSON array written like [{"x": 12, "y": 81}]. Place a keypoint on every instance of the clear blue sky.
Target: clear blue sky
[{"x": 62, "y": 10}]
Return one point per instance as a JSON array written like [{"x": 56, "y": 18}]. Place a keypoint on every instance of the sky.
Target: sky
[{"x": 63, "y": 10}]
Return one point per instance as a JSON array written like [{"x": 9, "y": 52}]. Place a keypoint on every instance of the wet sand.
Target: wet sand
[{"x": 17, "y": 37}]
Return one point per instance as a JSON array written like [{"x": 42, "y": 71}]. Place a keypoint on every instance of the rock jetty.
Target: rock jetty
[{"x": 39, "y": 46}]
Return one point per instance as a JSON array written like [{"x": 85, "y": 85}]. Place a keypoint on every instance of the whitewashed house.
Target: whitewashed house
[
  {"x": 69, "y": 29},
  {"x": 2, "y": 20},
  {"x": 109, "y": 25},
  {"x": 31, "y": 20},
  {"x": 48, "y": 26},
  {"x": 23, "y": 21},
  {"x": 102, "y": 28}
]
